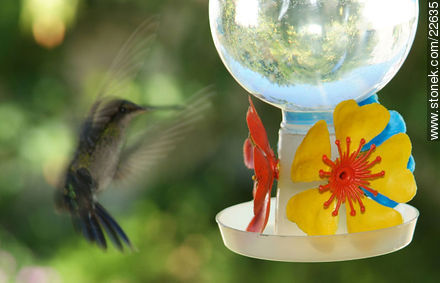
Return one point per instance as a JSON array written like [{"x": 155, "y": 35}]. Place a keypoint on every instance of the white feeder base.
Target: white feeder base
[{"x": 299, "y": 247}]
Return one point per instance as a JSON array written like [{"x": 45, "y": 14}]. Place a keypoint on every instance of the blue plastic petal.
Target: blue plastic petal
[
  {"x": 411, "y": 164},
  {"x": 383, "y": 200},
  {"x": 369, "y": 100},
  {"x": 395, "y": 125}
]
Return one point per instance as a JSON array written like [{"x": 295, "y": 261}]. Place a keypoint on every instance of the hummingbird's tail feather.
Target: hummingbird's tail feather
[
  {"x": 88, "y": 225},
  {"x": 114, "y": 231},
  {"x": 111, "y": 233},
  {"x": 97, "y": 232},
  {"x": 92, "y": 223}
]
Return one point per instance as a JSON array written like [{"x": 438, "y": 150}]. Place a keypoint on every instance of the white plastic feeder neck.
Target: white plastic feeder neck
[{"x": 293, "y": 129}]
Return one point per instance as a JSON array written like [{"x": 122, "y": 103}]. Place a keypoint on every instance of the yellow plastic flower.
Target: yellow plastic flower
[{"x": 350, "y": 176}]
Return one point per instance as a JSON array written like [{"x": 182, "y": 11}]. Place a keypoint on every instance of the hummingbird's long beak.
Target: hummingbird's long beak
[
  {"x": 134, "y": 108},
  {"x": 140, "y": 109},
  {"x": 163, "y": 107}
]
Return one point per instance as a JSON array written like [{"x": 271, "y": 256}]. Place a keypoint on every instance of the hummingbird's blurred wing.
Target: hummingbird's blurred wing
[
  {"x": 129, "y": 60},
  {"x": 125, "y": 66},
  {"x": 157, "y": 142}
]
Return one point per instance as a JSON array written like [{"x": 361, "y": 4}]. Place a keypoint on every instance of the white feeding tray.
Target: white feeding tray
[{"x": 233, "y": 221}]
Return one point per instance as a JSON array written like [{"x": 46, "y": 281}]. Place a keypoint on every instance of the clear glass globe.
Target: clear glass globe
[{"x": 308, "y": 55}]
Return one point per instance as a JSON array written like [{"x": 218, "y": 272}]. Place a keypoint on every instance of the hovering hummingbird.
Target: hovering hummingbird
[{"x": 101, "y": 155}]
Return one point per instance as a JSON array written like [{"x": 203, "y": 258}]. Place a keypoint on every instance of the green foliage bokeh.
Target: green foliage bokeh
[{"x": 45, "y": 92}]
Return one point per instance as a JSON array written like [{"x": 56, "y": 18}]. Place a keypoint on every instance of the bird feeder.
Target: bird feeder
[{"x": 307, "y": 58}]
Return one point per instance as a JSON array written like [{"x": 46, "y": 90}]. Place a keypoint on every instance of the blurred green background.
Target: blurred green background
[{"x": 52, "y": 55}]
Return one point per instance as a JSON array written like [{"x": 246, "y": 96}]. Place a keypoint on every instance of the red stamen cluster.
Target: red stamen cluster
[{"x": 347, "y": 174}]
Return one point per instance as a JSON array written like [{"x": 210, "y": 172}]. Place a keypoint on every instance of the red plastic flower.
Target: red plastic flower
[{"x": 259, "y": 156}]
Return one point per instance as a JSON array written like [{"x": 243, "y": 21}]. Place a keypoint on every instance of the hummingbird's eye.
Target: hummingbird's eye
[{"x": 122, "y": 109}]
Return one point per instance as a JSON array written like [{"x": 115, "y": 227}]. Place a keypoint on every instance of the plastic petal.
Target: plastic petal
[
  {"x": 248, "y": 154},
  {"x": 372, "y": 99},
  {"x": 375, "y": 217},
  {"x": 259, "y": 221},
  {"x": 411, "y": 164},
  {"x": 308, "y": 157},
  {"x": 359, "y": 122},
  {"x": 307, "y": 211},
  {"x": 263, "y": 179},
  {"x": 396, "y": 125},
  {"x": 398, "y": 182},
  {"x": 380, "y": 198},
  {"x": 256, "y": 128}
]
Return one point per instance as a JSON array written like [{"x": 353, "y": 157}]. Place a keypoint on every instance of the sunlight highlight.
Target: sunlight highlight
[
  {"x": 246, "y": 13},
  {"x": 377, "y": 12},
  {"x": 48, "y": 19}
]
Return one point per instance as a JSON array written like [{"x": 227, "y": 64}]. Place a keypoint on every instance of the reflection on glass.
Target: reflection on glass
[{"x": 312, "y": 54}]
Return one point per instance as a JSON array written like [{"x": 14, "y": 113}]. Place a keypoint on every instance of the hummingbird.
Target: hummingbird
[{"x": 102, "y": 155}]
